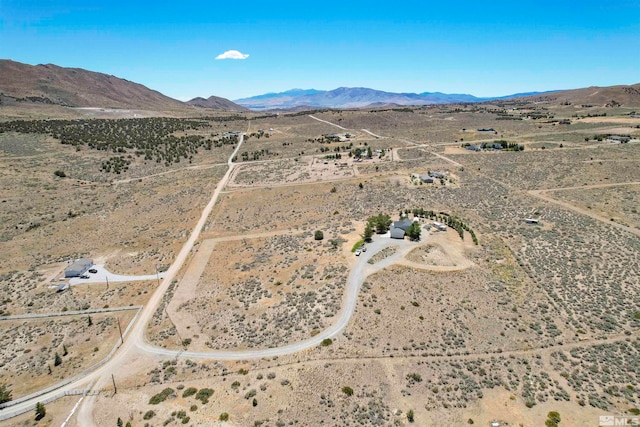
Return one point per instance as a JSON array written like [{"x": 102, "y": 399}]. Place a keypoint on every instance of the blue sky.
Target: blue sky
[{"x": 491, "y": 49}]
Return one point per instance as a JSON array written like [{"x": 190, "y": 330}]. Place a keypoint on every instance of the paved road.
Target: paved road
[{"x": 358, "y": 274}]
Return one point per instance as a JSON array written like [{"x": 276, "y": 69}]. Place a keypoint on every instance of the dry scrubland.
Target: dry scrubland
[
  {"x": 545, "y": 317},
  {"x": 29, "y": 348},
  {"x": 622, "y": 203},
  {"x": 258, "y": 293}
]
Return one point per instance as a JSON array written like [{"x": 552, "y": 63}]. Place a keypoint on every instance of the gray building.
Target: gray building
[
  {"x": 397, "y": 233},
  {"x": 78, "y": 268},
  {"x": 403, "y": 224}
]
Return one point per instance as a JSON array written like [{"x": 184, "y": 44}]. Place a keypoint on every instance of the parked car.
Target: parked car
[
  {"x": 84, "y": 276},
  {"x": 364, "y": 249},
  {"x": 93, "y": 271},
  {"x": 358, "y": 252}
]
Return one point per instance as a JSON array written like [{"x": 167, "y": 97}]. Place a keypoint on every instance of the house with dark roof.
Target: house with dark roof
[
  {"x": 78, "y": 268},
  {"x": 403, "y": 224},
  {"x": 399, "y": 228}
]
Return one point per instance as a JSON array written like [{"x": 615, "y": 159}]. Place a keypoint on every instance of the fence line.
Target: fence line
[{"x": 68, "y": 313}]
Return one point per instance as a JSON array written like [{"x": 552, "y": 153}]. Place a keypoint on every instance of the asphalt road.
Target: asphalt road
[{"x": 358, "y": 274}]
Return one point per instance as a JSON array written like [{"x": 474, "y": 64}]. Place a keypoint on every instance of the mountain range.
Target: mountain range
[
  {"x": 358, "y": 97},
  {"x": 76, "y": 87}
]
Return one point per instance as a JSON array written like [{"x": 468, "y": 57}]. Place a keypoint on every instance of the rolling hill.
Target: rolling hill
[
  {"x": 76, "y": 87},
  {"x": 216, "y": 103},
  {"x": 626, "y": 95}
]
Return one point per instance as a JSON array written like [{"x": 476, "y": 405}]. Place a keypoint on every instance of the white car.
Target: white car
[
  {"x": 358, "y": 252},
  {"x": 364, "y": 249}
]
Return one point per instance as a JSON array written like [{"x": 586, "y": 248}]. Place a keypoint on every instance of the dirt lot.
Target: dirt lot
[{"x": 248, "y": 288}]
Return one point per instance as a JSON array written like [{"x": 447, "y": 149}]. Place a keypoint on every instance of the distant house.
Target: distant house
[
  {"x": 78, "y": 268},
  {"x": 436, "y": 175},
  {"x": 619, "y": 138},
  {"x": 531, "y": 220},
  {"x": 486, "y": 130},
  {"x": 473, "y": 148},
  {"x": 423, "y": 177},
  {"x": 336, "y": 137},
  {"x": 439, "y": 226}
]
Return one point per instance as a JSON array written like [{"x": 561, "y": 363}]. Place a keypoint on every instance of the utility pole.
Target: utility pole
[
  {"x": 107, "y": 277},
  {"x": 115, "y": 389},
  {"x": 120, "y": 329}
]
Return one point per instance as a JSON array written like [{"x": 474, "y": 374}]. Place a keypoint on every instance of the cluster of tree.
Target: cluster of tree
[
  {"x": 445, "y": 218},
  {"x": 230, "y": 118},
  {"x": 307, "y": 112},
  {"x": 151, "y": 138},
  {"x": 601, "y": 136},
  {"x": 506, "y": 145},
  {"x": 359, "y": 152},
  {"x": 379, "y": 223},
  {"x": 458, "y": 225},
  {"x": 258, "y": 134},
  {"x": 255, "y": 155},
  {"x": 116, "y": 164},
  {"x": 333, "y": 156}
]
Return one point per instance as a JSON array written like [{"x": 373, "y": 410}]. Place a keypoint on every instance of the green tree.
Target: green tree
[
  {"x": 347, "y": 390},
  {"x": 368, "y": 232},
  {"x": 41, "y": 411},
  {"x": 119, "y": 423},
  {"x": 57, "y": 360},
  {"x": 369, "y": 153},
  {"x": 553, "y": 419},
  {"x": 414, "y": 231},
  {"x": 64, "y": 350},
  {"x": 89, "y": 321},
  {"x": 5, "y": 393},
  {"x": 411, "y": 416},
  {"x": 380, "y": 223},
  {"x": 318, "y": 235}
]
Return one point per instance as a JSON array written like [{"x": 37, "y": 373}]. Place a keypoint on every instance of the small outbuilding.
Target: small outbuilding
[{"x": 78, "y": 268}]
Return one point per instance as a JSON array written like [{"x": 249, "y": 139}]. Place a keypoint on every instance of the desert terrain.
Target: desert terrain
[{"x": 265, "y": 315}]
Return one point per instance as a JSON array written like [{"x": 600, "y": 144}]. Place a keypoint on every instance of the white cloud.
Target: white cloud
[{"x": 232, "y": 54}]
